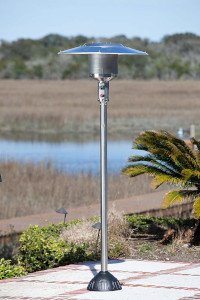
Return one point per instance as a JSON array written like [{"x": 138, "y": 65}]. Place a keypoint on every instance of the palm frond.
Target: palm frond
[
  {"x": 165, "y": 156},
  {"x": 196, "y": 207},
  {"x": 138, "y": 169},
  {"x": 136, "y": 158},
  {"x": 179, "y": 156},
  {"x": 182, "y": 146},
  {"x": 188, "y": 173},
  {"x": 139, "y": 147},
  {"x": 153, "y": 161},
  {"x": 160, "y": 179},
  {"x": 133, "y": 171},
  {"x": 197, "y": 144},
  {"x": 152, "y": 139},
  {"x": 162, "y": 143},
  {"x": 177, "y": 196},
  {"x": 183, "y": 152}
]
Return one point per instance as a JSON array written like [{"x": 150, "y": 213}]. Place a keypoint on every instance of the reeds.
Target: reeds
[
  {"x": 32, "y": 189},
  {"x": 71, "y": 106}
]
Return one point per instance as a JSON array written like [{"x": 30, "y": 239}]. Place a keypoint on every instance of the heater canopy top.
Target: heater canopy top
[{"x": 103, "y": 48}]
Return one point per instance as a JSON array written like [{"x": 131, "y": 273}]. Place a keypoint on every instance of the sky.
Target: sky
[{"x": 152, "y": 19}]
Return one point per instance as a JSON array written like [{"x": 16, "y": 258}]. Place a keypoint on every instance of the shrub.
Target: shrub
[
  {"x": 40, "y": 249},
  {"x": 7, "y": 270},
  {"x": 142, "y": 223},
  {"x": 117, "y": 248}
]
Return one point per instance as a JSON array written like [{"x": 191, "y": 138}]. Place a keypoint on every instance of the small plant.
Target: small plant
[
  {"x": 7, "y": 270},
  {"x": 117, "y": 248},
  {"x": 141, "y": 251},
  {"x": 148, "y": 247},
  {"x": 145, "y": 248},
  {"x": 40, "y": 249}
]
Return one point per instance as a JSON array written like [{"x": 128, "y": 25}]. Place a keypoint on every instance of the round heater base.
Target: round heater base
[{"x": 103, "y": 282}]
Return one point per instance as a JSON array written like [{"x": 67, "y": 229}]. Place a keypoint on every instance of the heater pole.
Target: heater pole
[
  {"x": 103, "y": 66},
  {"x": 103, "y": 98},
  {"x": 104, "y": 280}
]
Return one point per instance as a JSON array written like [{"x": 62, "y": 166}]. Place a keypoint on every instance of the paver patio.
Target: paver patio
[{"x": 150, "y": 280}]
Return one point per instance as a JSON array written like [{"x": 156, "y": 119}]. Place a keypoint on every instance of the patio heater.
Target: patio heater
[{"x": 103, "y": 66}]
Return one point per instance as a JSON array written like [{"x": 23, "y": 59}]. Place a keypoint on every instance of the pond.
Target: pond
[{"x": 70, "y": 157}]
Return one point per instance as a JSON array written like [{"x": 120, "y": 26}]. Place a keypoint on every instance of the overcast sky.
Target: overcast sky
[{"x": 151, "y": 19}]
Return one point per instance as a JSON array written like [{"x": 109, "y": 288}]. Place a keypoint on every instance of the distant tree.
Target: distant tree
[
  {"x": 80, "y": 40},
  {"x": 121, "y": 38},
  {"x": 180, "y": 67},
  {"x": 38, "y": 71},
  {"x": 175, "y": 38},
  {"x": 20, "y": 70},
  {"x": 70, "y": 71},
  {"x": 175, "y": 57},
  {"x": 54, "y": 40}
]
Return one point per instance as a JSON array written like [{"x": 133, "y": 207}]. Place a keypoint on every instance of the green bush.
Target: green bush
[
  {"x": 142, "y": 223},
  {"x": 117, "y": 248},
  {"x": 7, "y": 270},
  {"x": 40, "y": 249}
]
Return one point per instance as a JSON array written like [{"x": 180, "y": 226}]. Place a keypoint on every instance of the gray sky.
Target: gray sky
[{"x": 144, "y": 18}]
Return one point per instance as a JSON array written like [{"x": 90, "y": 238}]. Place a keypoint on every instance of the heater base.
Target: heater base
[{"x": 103, "y": 282}]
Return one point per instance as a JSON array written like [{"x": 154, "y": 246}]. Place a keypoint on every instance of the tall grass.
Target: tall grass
[
  {"x": 71, "y": 106},
  {"x": 32, "y": 189},
  {"x": 118, "y": 230}
]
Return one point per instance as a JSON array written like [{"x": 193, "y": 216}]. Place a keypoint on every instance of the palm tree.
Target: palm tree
[{"x": 169, "y": 160}]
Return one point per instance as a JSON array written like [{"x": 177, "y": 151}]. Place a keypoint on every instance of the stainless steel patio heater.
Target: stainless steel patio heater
[{"x": 103, "y": 66}]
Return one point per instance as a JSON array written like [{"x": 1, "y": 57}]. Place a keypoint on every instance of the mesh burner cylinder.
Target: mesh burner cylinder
[{"x": 103, "y": 66}]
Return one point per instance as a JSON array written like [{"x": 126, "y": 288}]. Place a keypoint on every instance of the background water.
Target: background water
[{"x": 70, "y": 157}]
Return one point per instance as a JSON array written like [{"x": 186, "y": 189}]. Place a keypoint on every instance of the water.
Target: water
[{"x": 70, "y": 157}]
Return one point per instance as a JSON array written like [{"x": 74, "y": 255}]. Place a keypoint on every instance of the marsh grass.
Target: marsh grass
[
  {"x": 32, "y": 189},
  {"x": 71, "y": 106},
  {"x": 118, "y": 231}
]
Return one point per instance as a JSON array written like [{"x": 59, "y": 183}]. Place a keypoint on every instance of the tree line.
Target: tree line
[{"x": 174, "y": 57}]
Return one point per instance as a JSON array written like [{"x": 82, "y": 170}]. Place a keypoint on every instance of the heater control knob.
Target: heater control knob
[{"x": 103, "y": 91}]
